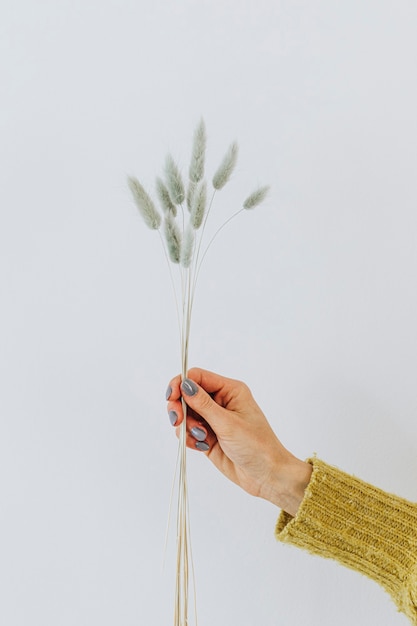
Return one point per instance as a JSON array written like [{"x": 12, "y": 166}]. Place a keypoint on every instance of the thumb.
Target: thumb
[{"x": 202, "y": 403}]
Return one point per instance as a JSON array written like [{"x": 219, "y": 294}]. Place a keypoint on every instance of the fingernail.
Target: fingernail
[
  {"x": 189, "y": 387},
  {"x": 202, "y": 445},
  {"x": 198, "y": 433},
  {"x": 173, "y": 416},
  {"x": 168, "y": 393}
]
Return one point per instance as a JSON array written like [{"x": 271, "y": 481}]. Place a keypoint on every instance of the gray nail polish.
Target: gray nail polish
[
  {"x": 189, "y": 387},
  {"x": 173, "y": 416},
  {"x": 168, "y": 393},
  {"x": 198, "y": 433},
  {"x": 202, "y": 445}
]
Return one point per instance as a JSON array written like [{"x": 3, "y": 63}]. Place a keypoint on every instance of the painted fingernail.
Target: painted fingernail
[
  {"x": 202, "y": 445},
  {"x": 198, "y": 433},
  {"x": 189, "y": 387},
  {"x": 168, "y": 393},
  {"x": 173, "y": 416}
]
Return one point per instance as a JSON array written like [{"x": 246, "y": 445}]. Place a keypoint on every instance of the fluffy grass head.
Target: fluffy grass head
[
  {"x": 174, "y": 181},
  {"x": 190, "y": 194},
  {"x": 144, "y": 203},
  {"x": 198, "y": 155},
  {"x": 256, "y": 197},
  {"x": 198, "y": 205},
  {"x": 173, "y": 238},
  {"x": 164, "y": 198},
  {"x": 225, "y": 170},
  {"x": 187, "y": 248}
]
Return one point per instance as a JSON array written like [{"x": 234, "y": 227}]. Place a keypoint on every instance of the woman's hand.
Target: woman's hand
[{"x": 227, "y": 425}]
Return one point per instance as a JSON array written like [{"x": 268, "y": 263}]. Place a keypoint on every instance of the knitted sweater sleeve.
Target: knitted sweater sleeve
[{"x": 362, "y": 527}]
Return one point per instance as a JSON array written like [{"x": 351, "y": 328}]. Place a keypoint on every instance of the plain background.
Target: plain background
[{"x": 311, "y": 299}]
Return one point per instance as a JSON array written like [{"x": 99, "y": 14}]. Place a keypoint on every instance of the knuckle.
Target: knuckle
[
  {"x": 243, "y": 388},
  {"x": 204, "y": 401}
]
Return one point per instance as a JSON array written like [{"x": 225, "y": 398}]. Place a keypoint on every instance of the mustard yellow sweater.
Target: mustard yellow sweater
[{"x": 362, "y": 527}]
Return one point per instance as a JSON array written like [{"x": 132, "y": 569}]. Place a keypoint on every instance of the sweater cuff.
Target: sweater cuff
[{"x": 362, "y": 527}]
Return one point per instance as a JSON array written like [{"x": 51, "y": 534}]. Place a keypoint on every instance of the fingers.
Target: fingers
[
  {"x": 203, "y": 413},
  {"x": 197, "y": 429},
  {"x": 217, "y": 386},
  {"x": 200, "y": 403},
  {"x": 199, "y": 435},
  {"x": 173, "y": 397},
  {"x": 212, "y": 383}
]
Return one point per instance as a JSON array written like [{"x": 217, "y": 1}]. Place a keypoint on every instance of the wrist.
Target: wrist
[{"x": 287, "y": 484}]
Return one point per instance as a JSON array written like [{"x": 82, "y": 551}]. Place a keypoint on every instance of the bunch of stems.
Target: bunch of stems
[{"x": 181, "y": 223}]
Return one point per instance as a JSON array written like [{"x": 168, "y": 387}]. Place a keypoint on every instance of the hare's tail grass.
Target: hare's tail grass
[{"x": 226, "y": 167}]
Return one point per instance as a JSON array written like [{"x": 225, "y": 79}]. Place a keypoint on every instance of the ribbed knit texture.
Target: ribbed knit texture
[{"x": 362, "y": 527}]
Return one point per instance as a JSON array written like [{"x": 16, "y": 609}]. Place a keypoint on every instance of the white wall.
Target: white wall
[{"x": 311, "y": 299}]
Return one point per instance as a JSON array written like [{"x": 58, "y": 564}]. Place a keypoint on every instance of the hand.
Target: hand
[{"x": 227, "y": 425}]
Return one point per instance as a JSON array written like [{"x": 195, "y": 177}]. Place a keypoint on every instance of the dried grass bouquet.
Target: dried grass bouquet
[{"x": 181, "y": 224}]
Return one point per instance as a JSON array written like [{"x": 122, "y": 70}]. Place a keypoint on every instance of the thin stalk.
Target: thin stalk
[
  {"x": 200, "y": 261},
  {"x": 184, "y": 554},
  {"x": 171, "y": 498},
  {"x": 203, "y": 228}
]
